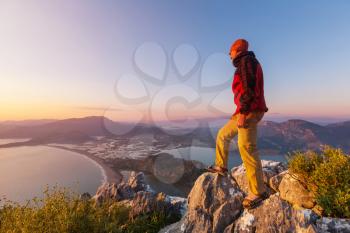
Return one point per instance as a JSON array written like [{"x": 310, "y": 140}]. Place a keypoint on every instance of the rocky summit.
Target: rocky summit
[
  {"x": 214, "y": 205},
  {"x": 137, "y": 195}
]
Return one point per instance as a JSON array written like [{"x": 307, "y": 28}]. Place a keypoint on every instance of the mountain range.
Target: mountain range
[{"x": 273, "y": 137}]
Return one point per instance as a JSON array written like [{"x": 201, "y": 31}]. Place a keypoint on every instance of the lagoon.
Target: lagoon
[{"x": 25, "y": 172}]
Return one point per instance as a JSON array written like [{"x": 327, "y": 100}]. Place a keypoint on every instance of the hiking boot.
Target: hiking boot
[
  {"x": 252, "y": 203},
  {"x": 217, "y": 169}
]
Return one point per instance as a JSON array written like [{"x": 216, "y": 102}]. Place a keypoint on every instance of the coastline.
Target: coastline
[{"x": 109, "y": 175}]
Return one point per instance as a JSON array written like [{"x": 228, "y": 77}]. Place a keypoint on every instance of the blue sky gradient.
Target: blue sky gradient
[{"x": 62, "y": 58}]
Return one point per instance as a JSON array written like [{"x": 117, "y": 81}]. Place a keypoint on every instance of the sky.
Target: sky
[{"x": 168, "y": 59}]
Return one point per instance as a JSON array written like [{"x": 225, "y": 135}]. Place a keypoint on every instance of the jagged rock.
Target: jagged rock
[
  {"x": 213, "y": 203},
  {"x": 270, "y": 169},
  {"x": 275, "y": 181},
  {"x": 336, "y": 225},
  {"x": 137, "y": 181},
  {"x": 146, "y": 202},
  {"x": 104, "y": 192},
  {"x": 114, "y": 192},
  {"x": 122, "y": 191},
  {"x": 179, "y": 202},
  {"x": 136, "y": 194},
  {"x": 304, "y": 221},
  {"x": 275, "y": 215},
  {"x": 295, "y": 192}
]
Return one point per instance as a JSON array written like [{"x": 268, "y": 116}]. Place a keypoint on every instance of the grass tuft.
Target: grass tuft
[{"x": 62, "y": 211}]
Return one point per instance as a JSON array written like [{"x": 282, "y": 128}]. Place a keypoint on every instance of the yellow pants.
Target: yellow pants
[{"x": 247, "y": 145}]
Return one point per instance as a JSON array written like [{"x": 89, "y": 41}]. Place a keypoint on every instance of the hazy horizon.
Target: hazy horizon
[{"x": 275, "y": 118}]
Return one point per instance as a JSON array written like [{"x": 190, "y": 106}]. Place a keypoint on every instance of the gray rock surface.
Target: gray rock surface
[
  {"x": 215, "y": 206},
  {"x": 275, "y": 215},
  {"x": 146, "y": 202},
  {"x": 275, "y": 181},
  {"x": 116, "y": 192},
  {"x": 270, "y": 169},
  {"x": 295, "y": 192},
  {"x": 213, "y": 203},
  {"x": 333, "y": 225},
  {"x": 137, "y": 194},
  {"x": 122, "y": 191}
]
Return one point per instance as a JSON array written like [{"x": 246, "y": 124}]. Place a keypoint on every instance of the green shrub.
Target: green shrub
[
  {"x": 304, "y": 164},
  {"x": 62, "y": 211},
  {"x": 327, "y": 174}
]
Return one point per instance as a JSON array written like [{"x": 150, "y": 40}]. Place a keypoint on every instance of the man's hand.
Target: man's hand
[{"x": 241, "y": 122}]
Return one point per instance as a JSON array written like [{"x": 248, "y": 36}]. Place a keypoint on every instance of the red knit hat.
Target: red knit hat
[{"x": 240, "y": 45}]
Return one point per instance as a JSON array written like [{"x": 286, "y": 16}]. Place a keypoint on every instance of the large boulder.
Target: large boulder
[
  {"x": 270, "y": 169},
  {"x": 213, "y": 203},
  {"x": 294, "y": 191}
]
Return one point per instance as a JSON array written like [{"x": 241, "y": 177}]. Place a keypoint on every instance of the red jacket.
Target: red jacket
[{"x": 248, "y": 84}]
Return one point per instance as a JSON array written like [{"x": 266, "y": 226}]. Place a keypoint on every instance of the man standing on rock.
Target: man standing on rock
[{"x": 248, "y": 90}]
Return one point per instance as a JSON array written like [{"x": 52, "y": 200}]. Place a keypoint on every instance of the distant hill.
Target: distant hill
[
  {"x": 89, "y": 125},
  {"x": 341, "y": 133},
  {"x": 294, "y": 134},
  {"x": 290, "y": 135},
  {"x": 85, "y": 127},
  {"x": 27, "y": 122},
  {"x": 273, "y": 138}
]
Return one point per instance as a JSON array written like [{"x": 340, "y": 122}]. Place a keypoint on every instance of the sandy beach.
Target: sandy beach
[{"x": 110, "y": 175}]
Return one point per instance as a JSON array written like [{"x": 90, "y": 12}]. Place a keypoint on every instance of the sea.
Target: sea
[{"x": 25, "y": 172}]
